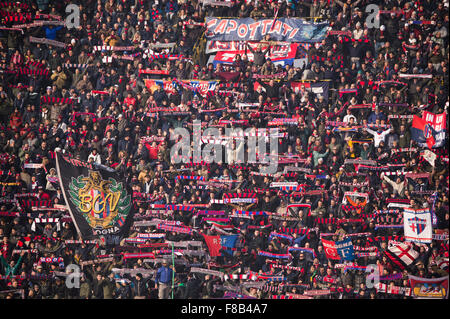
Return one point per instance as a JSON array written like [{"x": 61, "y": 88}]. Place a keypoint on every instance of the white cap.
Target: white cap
[{"x": 382, "y": 28}]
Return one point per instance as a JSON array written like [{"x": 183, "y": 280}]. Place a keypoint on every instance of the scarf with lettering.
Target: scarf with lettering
[
  {"x": 252, "y": 213},
  {"x": 183, "y": 230},
  {"x": 112, "y": 48},
  {"x": 394, "y": 290},
  {"x": 397, "y": 276},
  {"x": 48, "y": 42},
  {"x": 270, "y": 76},
  {"x": 150, "y": 235},
  {"x": 211, "y": 212}
]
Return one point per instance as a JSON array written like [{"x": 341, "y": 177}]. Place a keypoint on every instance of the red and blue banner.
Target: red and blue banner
[
  {"x": 248, "y": 29},
  {"x": 429, "y": 131},
  {"x": 339, "y": 250},
  {"x": 318, "y": 88},
  {"x": 278, "y": 55},
  {"x": 217, "y": 243},
  {"x": 345, "y": 249},
  {"x": 203, "y": 87}
]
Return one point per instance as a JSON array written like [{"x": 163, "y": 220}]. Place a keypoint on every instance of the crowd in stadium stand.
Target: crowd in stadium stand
[{"x": 355, "y": 160}]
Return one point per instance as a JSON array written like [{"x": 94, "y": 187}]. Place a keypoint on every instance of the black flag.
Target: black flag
[{"x": 98, "y": 201}]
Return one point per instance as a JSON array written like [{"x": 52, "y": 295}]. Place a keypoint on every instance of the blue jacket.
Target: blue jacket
[
  {"x": 164, "y": 275},
  {"x": 50, "y": 33}
]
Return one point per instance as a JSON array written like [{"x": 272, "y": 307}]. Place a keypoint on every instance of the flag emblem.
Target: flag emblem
[
  {"x": 103, "y": 203},
  {"x": 427, "y": 132},
  {"x": 417, "y": 224}
]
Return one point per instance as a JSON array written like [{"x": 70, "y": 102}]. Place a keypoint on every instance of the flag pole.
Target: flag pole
[
  {"x": 274, "y": 19},
  {"x": 64, "y": 194},
  {"x": 173, "y": 271}
]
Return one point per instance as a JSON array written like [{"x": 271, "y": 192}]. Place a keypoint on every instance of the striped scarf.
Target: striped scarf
[
  {"x": 304, "y": 249},
  {"x": 300, "y": 231},
  {"x": 138, "y": 255},
  {"x": 36, "y": 203},
  {"x": 389, "y": 219},
  {"x": 267, "y": 277},
  {"x": 23, "y": 6},
  {"x": 252, "y": 213},
  {"x": 75, "y": 65},
  {"x": 190, "y": 177},
  {"x": 211, "y": 212},
  {"x": 47, "y": 41},
  {"x": 300, "y": 269},
  {"x": 29, "y": 72},
  {"x": 347, "y": 91},
  {"x": 275, "y": 234},
  {"x": 272, "y": 255},
  {"x": 185, "y": 208},
  {"x": 153, "y": 57},
  {"x": 50, "y": 260},
  {"x": 239, "y": 277},
  {"x": 55, "y": 100},
  {"x": 239, "y": 195},
  {"x": 384, "y": 238},
  {"x": 351, "y": 208}
]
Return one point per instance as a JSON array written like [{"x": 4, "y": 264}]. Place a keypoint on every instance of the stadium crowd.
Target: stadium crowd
[{"x": 95, "y": 105}]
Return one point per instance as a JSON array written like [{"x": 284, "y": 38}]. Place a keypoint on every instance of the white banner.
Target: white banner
[{"x": 417, "y": 225}]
